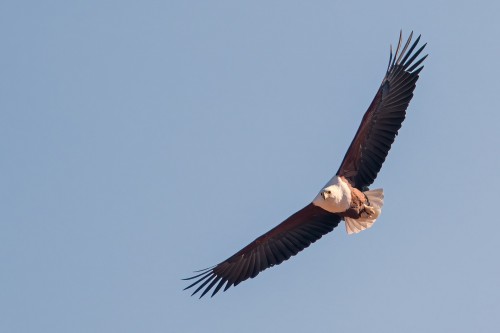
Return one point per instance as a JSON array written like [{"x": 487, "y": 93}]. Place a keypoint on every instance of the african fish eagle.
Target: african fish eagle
[{"x": 346, "y": 196}]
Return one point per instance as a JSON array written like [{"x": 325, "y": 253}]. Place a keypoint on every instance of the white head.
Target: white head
[
  {"x": 332, "y": 192},
  {"x": 335, "y": 197}
]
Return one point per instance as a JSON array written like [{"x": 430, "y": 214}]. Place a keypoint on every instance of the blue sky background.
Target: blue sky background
[{"x": 140, "y": 140}]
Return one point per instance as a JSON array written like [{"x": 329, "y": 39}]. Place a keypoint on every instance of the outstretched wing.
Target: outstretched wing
[
  {"x": 384, "y": 117},
  {"x": 279, "y": 244}
]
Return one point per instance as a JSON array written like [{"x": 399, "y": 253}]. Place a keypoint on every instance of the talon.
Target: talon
[{"x": 369, "y": 210}]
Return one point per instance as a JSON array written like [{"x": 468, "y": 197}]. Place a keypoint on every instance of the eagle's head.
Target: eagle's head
[{"x": 332, "y": 192}]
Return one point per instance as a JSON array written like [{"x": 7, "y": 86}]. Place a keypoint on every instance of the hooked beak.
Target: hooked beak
[{"x": 323, "y": 194}]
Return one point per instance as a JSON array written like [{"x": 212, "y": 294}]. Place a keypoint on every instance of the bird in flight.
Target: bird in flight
[{"x": 346, "y": 196}]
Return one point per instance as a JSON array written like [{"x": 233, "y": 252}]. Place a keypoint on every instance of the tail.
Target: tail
[{"x": 376, "y": 200}]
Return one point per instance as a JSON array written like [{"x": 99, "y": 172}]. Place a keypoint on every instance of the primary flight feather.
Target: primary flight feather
[{"x": 346, "y": 196}]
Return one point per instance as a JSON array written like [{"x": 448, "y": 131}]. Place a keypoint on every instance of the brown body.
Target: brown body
[{"x": 359, "y": 201}]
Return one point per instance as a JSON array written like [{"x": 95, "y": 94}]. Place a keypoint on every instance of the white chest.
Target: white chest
[{"x": 338, "y": 198}]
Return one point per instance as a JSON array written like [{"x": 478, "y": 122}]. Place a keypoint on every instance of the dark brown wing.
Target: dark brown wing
[
  {"x": 285, "y": 240},
  {"x": 384, "y": 117}
]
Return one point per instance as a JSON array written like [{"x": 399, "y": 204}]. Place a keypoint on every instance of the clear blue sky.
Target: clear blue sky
[{"x": 140, "y": 140}]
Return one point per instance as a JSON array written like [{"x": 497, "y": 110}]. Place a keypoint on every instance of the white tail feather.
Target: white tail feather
[{"x": 376, "y": 199}]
